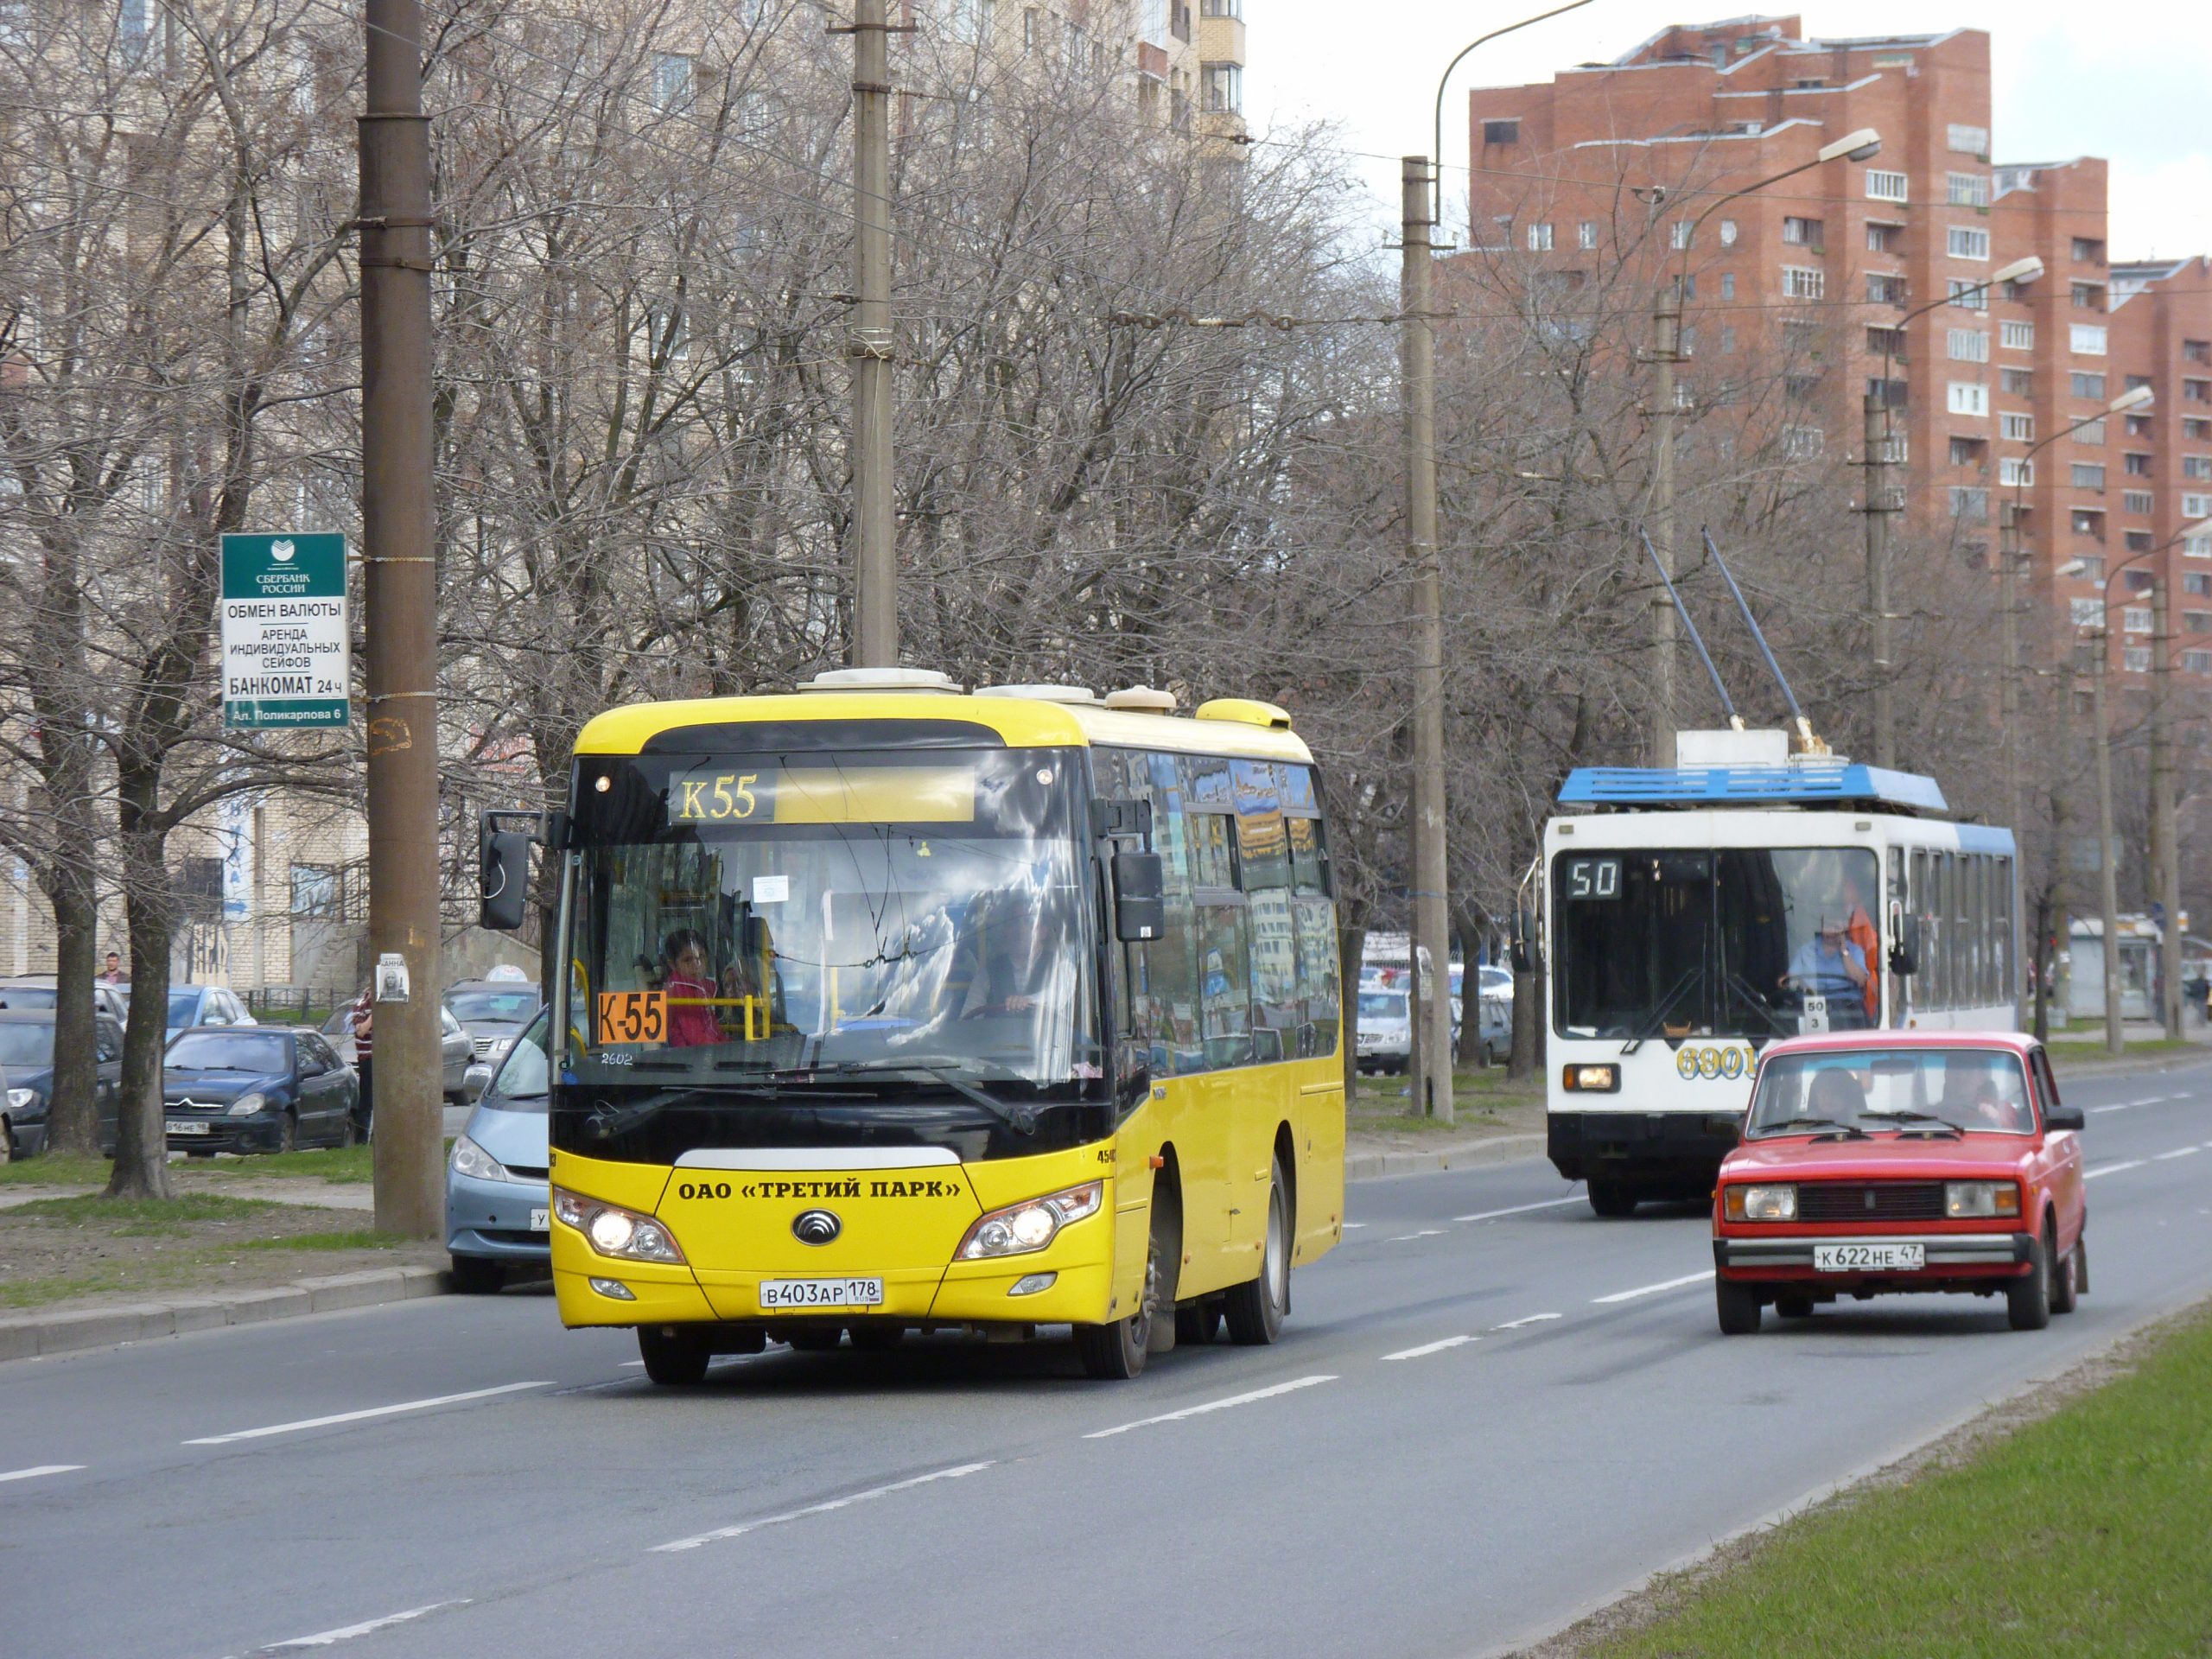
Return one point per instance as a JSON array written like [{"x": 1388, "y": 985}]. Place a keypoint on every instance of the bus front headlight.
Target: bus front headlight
[
  {"x": 613, "y": 1230},
  {"x": 1761, "y": 1203},
  {"x": 1020, "y": 1228}
]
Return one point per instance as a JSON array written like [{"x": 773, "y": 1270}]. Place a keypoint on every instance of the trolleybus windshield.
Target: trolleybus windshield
[{"x": 1733, "y": 942}]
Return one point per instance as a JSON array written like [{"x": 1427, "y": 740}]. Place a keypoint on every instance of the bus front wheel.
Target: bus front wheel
[
  {"x": 674, "y": 1357},
  {"x": 1257, "y": 1309},
  {"x": 1115, "y": 1352},
  {"x": 1612, "y": 1199}
]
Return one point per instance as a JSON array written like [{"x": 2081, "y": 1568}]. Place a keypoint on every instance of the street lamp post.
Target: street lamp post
[{"x": 1666, "y": 351}]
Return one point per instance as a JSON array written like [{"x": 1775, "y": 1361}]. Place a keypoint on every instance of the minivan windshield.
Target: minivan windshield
[{"x": 519, "y": 1083}]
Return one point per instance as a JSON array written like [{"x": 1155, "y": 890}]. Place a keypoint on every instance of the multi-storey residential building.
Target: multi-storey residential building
[
  {"x": 1887, "y": 265},
  {"x": 1188, "y": 70}
]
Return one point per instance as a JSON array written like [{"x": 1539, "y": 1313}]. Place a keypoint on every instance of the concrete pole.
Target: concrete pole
[
  {"x": 2107, "y": 876},
  {"x": 873, "y": 551},
  {"x": 2008, "y": 583},
  {"x": 1432, "y": 1048},
  {"x": 1665, "y": 335},
  {"x": 2165, "y": 854},
  {"x": 1877, "y": 441},
  {"x": 399, "y": 629}
]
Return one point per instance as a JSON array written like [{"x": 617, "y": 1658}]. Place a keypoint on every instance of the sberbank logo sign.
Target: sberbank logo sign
[{"x": 286, "y": 657}]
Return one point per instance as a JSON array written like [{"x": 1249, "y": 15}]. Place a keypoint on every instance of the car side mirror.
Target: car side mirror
[
  {"x": 505, "y": 879},
  {"x": 1139, "y": 897},
  {"x": 2063, "y": 1117}
]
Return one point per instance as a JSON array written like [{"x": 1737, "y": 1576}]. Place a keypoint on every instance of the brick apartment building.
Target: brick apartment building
[{"x": 1564, "y": 171}]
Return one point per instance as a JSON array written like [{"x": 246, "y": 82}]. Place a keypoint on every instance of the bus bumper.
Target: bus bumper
[{"x": 1667, "y": 1153}]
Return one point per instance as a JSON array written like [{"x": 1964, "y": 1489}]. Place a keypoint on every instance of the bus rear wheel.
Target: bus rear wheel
[
  {"x": 1615, "y": 1200},
  {"x": 674, "y": 1357},
  {"x": 1257, "y": 1309}
]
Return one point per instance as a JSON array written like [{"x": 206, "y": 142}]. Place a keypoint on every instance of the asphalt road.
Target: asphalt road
[{"x": 1489, "y": 1413}]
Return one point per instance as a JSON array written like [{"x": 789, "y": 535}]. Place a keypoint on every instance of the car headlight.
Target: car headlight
[
  {"x": 1031, "y": 1226},
  {"x": 1761, "y": 1203},
  {"x": 1965, "y": 1199},
  {"x": 469, "y": 1159},
  {"x": 19, "y": 1100},
  {"x": 247, "y": 1104},
  {"x": 613, "y": 1230}
]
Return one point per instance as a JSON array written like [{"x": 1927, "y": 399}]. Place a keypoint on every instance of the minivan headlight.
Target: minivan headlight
[
  {"x": 1963, "y": 1200},
  {"x": 471, "y": 1159},
  {"x": 19, "y": 1100},
  {"x": 613, "y": 1230},
  {"x": 1020, "y": 1228},
  {"x": 1761, "y": 1203}
]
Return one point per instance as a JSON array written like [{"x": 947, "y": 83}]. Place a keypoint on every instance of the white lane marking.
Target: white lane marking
[
  {"x": 2099, "y": 1111},
  {"x": 364, "y": 1416},
  {"x": 1653, "y": 1290},
  {"x": 1354, "y": 1226},
  {"x": 1532, "y": 1318},
  {"x": 1519, "y": 1209},
  {"x": 744, "y": 1527},
  {"x": 2111, "y": 1169},
  {"x": 1429, "y": 1348},
  {"x": 1426, "y": 1232},
  {"x": 1290, "y": 1386},
  {"x": 2178, "y": 1152},
  {"x": 367, "y": 1627},
  {"x": 43, "y": 1469}
]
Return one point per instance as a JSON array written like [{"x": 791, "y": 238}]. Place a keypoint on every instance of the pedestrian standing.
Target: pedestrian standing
[
  {"x": 114, "y": 973},
  {"x": 364, "y": 1014}
]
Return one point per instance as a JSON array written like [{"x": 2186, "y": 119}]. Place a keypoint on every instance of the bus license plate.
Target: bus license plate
[
  {"x": 821, "y": 1292},
  {"x": 1868, "y": 1258},
  {"x": 181, "y": 1126}
]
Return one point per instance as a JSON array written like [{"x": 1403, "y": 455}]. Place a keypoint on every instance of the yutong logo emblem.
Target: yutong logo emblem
[{"x": 817, "y": 1227}]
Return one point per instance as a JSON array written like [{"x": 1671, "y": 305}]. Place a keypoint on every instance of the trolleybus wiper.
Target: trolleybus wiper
[
  {"x": 1657, "y": 1023},
  {"x": 1752, "y": 1000}
]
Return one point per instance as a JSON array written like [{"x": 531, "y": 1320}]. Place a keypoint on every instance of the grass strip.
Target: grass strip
[
  {"x": 2089, "y": 1531},
  {"x": 156, "y": 1212},
  {"x": 340, "y": 1165}
]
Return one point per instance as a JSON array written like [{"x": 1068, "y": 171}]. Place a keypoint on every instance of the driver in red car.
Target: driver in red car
[{"x": 1984, "y": 1094}]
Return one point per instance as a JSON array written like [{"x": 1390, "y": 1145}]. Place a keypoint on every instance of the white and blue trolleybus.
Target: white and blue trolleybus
[{"x": 1685, "y": 916}]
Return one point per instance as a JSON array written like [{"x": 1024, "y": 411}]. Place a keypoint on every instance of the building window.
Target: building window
[
  {"x": 1969, "y": 346},
  {"x": 1969, "y": 505},
  {"x": 1502, "y": 132},
  {"x": 1224, "y": 86},
  {"x": 1966, "y": 452},
  {"x": 1727, "y": 233},
  {"x": 970, "y": 20},
  {"x": 1886, "y": 342},
  {"x": 2088, "y": 251},
  {"x": 2197, "y": 392},
  {"x": 2087, "y": 338},
  {"x": 2197, "y": 350},
  {"x": 2138, "y": 426},
  {"x": 1222, "y": 8},
  {"x": 2015, "y": 428},
  {"x": 1969, "y": 296},
  {"x": 1889, "y": 394},
  {"x": 2090, "y": 432},
  {"x": 2015, "y": 474},
  {"x": 1689, "y": 288},
  {"x": 1540, "y": 238},
  {"x": 2135, "y": 618},
  {"x": 1029, "y": 30},
  {"x": 2198, "y": 582},
  {"x": 672, "y": 82},
  {"x": 1727, "y": 338},
  {"x": 1969, "y": 397},
  {"x": 1804, "y": 442},
  {"x": 1727, "y": 284},
  {"x": 2088, "y": 521},
  {"x": 2197, "y": 662},
  {"x": 1968, "y": 141},
  {"x": 2018, "y": 336},
  {"x": 2136, "y": 501},
  {"x": 2195, "y": 506},
  {"x": 1678, "y": 234},
  {"x": 1804, "y": 234},
  {"x": 1884, "y": 238},
  {"x": 2196, "y": 431},
  {"x": 2138, "y": 540},
  {"x": 2137, "y": 465},
  {"x": 2193, "y": 466},
  {"x": 2088, "y": 476},
  {"x": 2016, "y": 383},
  {"x": 2088, "y": 296},
  {"x": 1803, "y": 282},
  {"x": 1964, "y": 242},
  {"x": 1968, "y": 189},
  {"x": 1884, "y": 287},
  {"x": 315, "y": 891},
  {"x": 2197, "y": 547},
  {"x": 1585, "y": 234},
  {"x": 2136, "y": 659},
  {"x": 2084, "y": 384},
  {"x": 1884, "y": 186}
]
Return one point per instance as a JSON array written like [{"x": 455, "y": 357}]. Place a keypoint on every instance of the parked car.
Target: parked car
[
  {"x": 496, "y": 1184},
  {"x": 268, "y": 1090},
  {"x": 1878, "y": 1163},
  {"x": 26, "y": 1057},
  {"x": 204, "y": 1005},
  {"x": 38, "y": 991},
  {"x": 493, "y": 1012},
  {"x": 1384, "y": 1038},
  {"x": 459, "y": 1079}
]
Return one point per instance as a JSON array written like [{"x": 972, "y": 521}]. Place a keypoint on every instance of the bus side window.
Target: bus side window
[
  {"x": 1263, "y": 868},
  {"x": 1172, "y": 960},
  {"x": 1315, "y": 920}
]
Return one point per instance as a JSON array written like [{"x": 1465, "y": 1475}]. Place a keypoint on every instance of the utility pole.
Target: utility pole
[
  {"x": 2107, "y": 876},
  {"x": 1666, "y": 334},
  {"x": 2165, "y": 854},
  {"x": 2008, "y": 590},
  {"x": 1878, "y": 510},
  {"x": 869, "y": 343},
  {"x": 400, "y": 594},
  {"x": 1432, "y": 1068}
]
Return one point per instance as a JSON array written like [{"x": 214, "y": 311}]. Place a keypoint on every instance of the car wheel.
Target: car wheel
[
  {"x": 2066, "y": 1281},
  {"x": 1255, "y": 1309},
  {"x": 1793, "y": 1305},
  {"x": 1115, "y": 1352},
  {"x": 1614, "y": 1200},
  {"x": 2027, "y": 1300},
  {"x": 1737, "y": 1307},
  {"x": 478, "y": 1275},
  {"x": 288, "y": 1134},
  {"x": 7, "y": 1141},
  {"x": 349, "y": 1132},
  {"x": 675, "y": 1357}
]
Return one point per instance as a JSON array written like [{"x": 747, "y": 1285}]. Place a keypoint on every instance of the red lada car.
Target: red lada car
[{"x": 1877, "y": 1161}]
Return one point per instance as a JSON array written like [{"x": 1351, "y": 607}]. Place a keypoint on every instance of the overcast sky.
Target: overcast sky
[{"x": 2130, "y": 81}]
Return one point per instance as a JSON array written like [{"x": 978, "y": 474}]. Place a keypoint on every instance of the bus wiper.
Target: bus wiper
[
  {"x": 1019, "y": 1117},
  {"x": 1657, "y": 1023},
  {"x": 1942, "y": 1125},
  {"x": 1824, "y": 1127}
]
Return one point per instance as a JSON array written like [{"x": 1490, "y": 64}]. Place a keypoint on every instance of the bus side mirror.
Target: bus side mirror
[
  {"x": 1527, "y": 958},
  {"x": 504, "y": 877},
  {"x": 1904, "y": 955},
  {"x": 1139, "y": 898}
]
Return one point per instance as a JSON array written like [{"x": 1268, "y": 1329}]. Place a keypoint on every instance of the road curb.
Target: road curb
[
  {"x": 30, "y": 1336},
  {"x": 1374, "y": 1165}
]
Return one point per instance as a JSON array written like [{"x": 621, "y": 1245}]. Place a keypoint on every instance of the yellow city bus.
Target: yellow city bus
[{"x": 891, "y": 1009}]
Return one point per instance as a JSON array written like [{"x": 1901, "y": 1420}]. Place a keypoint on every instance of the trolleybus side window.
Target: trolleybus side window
[{"x": 2000, "y": 926}]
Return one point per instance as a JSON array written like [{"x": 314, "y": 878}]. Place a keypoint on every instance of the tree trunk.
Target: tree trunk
[
  {"x": 142, "y": 1168},
  {"x": 1466, "y": 926},
  {"x": 73, "y": 1119}
]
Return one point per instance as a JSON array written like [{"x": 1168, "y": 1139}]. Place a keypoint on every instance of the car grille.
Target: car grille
[
  {"x": 483, "y": 1046},
  {"x": 1870, "y": 1201},
  {"x": 531, "y": 1170}
]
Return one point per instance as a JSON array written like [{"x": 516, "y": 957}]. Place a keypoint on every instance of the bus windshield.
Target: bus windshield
[
  {"x": 811, "y": 920},
  {"x": 1731, "y": 941}
]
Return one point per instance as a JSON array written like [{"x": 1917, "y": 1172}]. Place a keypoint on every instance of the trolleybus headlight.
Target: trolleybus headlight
[
  {"x": 1021, "y": 1228},
  {"x": 1967, "y": 1199},
  {"x": 1761, "y": 1202},
  {"x": 1592, "y": 1079},
  {"x": 615, "y": 1231}
]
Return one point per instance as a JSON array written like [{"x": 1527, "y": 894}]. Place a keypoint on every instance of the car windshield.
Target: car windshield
[
  {"x": 184, "y": 1008},
  {"x": 822, "y": 914},
  {"x": 27, "y": 996},
  {"x": 26, "y": 1044},
  {"x": 228, "y": 1051},
  {"x": 1381, "y": 1005},
  {"x": 1977, "y": 1090},
  {"x": 519, "y": 1083},
  {"x": 1737, "y": 942},
  {"x": 511, "y": 1007}
]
